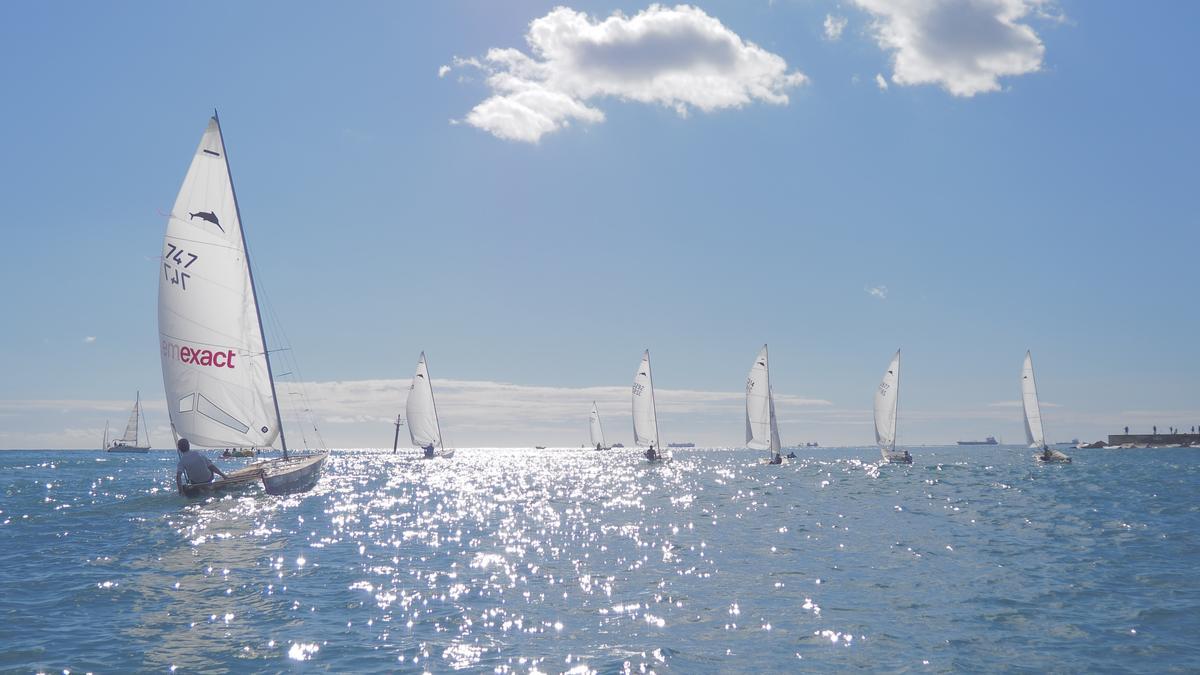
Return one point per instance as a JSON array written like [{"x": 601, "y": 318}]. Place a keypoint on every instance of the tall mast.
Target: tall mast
[
  {"x": 1037, "y": 400},
  {"x": 142, "y": 412},
  {"x": 433, "y": 400},
  {"x": 767, "y": 369},
  {"x": 653, "y": 403},
  {"x": 896, "y": 417},
  {"x": 253, "y": 291},
  {"x": 396, "y": 441},
  {"x": 137, "y": 413}
]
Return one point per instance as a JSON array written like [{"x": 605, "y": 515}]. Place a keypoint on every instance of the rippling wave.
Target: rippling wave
[{"x": 584, "y": 561}]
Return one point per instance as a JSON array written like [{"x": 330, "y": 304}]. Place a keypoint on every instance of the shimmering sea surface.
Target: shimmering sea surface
[{"x": 972, "y": 559}]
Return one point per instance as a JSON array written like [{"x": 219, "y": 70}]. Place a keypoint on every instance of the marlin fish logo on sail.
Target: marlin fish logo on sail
[{"x": 209, "y": 216}]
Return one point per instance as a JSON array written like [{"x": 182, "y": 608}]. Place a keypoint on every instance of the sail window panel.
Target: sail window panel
[
  {"x": 187, "y": 403},
  {"x": 213, "y": 412}
]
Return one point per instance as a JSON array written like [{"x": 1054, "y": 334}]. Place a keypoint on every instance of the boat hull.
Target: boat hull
[
  {"x": 128, "y": 448},
  {"x": 897, "y": 457},
  {"x": 1055, "y": 457},
  {"x": 234, "y": 480},
  {"x": 296, "y": 474}
]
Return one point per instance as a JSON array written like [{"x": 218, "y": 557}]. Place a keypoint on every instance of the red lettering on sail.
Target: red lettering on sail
[{"x": 198, "y": 356}]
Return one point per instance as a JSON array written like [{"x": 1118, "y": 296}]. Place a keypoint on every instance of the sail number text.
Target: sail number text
[{"x": 175, "y": 260}]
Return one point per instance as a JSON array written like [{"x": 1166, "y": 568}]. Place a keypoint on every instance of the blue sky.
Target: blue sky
[{"x": 1054, "y": 213}]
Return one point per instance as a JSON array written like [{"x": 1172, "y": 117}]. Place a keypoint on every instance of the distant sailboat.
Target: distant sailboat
[
  {"x": 595, "y": 430},
  {"x": 762, "y": 430},
  {"x": 129, "y": 441},
  {"x": 215, "y": 362},
  {"x": 887, "y": 408},
  {"x": 645, "y": 414},
  {"x": 421, "y": 411},
  {"x": 1034, "y": 435}
]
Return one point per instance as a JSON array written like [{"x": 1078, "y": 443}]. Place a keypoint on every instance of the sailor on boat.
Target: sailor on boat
[
  {"x": 777, "y": 459},
  {"x": 429, "y": 451},
  {"x": 199, "y": 469},
  {"x": 651, "y": 453}
]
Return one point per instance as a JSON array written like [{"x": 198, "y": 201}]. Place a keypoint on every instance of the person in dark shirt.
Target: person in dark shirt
[{"x": 197, "y": 467}]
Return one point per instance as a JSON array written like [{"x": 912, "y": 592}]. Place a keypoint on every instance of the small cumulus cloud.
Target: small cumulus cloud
[
  {"x": 678, "y": 57},
  {"x": 89, "y": 339},
  {"x": 880, "y": 291},
  {"x": 880, "y": 82},
  {"x": 834, "y": 25},
  {"x": 963, "y": 46},
  {"x": 443, "y": 71}
]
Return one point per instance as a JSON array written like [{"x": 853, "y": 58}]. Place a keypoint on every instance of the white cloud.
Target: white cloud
[
  {"x": 880, "y": 292},
  {"x": 443, "y": 71},
  {"x": 477, "y": 412},
  {"x": 1017, "y": 404},
  {"x": 89, "y": 339},
  {"x": 678, "y": 57},
  {"x": 880, "y": 82},
  {"x": 964, "y": 46},
  {"x": 834, "y": 25},
  {"x": 497, "y": 414}
]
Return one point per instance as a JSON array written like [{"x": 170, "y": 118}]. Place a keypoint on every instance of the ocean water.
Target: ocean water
[{"x": 579, "y": 561}]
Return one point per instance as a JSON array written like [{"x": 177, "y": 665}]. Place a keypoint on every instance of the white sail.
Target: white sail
[
  {"x": 597, "y": 431},
  {"x": 421, "y": 410},
  {"x": 645, "y": 418},
  {"x": 1033, "y": 409},
  {"x": 762, "y": 429},
  {"x": 131, "y": 427},
  {"x": 887, "y": 399},
  {"x": 214, "y": 362}
]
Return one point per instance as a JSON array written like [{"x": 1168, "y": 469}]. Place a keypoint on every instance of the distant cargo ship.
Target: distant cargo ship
[
  {"x": 681, "y": 445},
  {"x": 991, "y": 440}
]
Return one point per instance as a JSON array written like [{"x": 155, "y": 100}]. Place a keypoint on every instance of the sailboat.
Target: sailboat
[
  {"x": 1034, "y": 435},
  {"x": 215, "y": 361},
  {"x": 129, "y": 441},
  {"x": 645, "y": 414},
  {"x": 421, "y": 411},
  {"x": 887, "y": 407},
  {"x": 762, "y": 429},
  {"x": 595, "y": 430}
]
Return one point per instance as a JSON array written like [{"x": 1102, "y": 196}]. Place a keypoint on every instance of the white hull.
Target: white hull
[
  {"x": 295, "y": 474},
  {"x": 897, "y": 457},
  {"x": 1055, "y": 456}
]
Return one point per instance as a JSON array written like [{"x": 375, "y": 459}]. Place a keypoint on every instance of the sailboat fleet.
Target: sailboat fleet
[
  {"x": 128, "y": 442},
  {"x": 762, "y": 429},
  {"x": 421, "y": 412},
  {"x": 596, "y": 430},
  {"x": 1034, "y": 435},
  {"x": 221, "y": 389},
  {"x": 645, "y": 412},
  {"x": 216, "y": 364}
]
